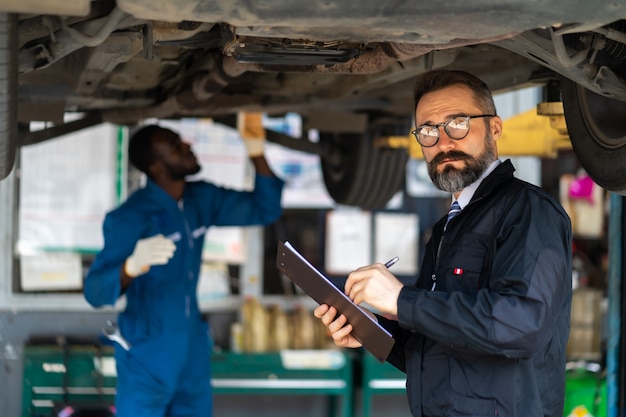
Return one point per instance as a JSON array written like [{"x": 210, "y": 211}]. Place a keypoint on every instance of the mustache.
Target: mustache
[{"x": 450, "y": 155}]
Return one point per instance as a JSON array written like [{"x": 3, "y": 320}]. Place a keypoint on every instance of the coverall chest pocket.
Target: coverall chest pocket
[
  {"x": 464, "y": 267},
  {"x": 160, "y": 222}
]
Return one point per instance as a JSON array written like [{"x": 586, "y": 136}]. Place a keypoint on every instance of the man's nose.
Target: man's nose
[{"x": 445, "y": 141}]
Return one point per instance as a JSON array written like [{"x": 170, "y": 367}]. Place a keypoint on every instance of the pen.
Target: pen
[{"x": 390, "y": 262}]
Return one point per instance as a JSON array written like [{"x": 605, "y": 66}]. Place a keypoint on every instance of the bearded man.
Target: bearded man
[{"x": 484, "y": 329}]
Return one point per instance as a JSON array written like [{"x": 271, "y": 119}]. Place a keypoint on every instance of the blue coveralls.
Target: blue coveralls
[{"x": 167, "y": 370}]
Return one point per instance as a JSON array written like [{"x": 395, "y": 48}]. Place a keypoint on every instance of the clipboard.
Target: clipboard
[{"x": 376, "y": 339}]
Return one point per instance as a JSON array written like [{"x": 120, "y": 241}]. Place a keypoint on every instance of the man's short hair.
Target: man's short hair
[
  {"x": 440, "y": 79},
  {"x": 140, "y": 147}
]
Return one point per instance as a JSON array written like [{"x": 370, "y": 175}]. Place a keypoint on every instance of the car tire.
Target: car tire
[
  {"x": 8, "y": 92},
  {"x": 596, "y": 128},
  {"x": 359, "y": 173}
]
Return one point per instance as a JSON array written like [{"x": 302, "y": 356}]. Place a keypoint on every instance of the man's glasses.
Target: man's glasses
[{"x": 456, "y": 128}]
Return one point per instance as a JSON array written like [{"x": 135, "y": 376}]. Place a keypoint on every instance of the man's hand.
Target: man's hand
[
  {"x": 251, "y": 130},
  {"x": 155, "y": 250},
  {"x": 376, "y": 286},
  {"x": 338, "y": 327}
]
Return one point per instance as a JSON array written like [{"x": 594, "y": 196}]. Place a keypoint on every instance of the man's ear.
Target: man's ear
[{"x": 495, "y": 124}]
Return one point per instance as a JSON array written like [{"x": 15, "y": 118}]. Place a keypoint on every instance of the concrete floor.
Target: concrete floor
[{"x": 391, "y": 405}]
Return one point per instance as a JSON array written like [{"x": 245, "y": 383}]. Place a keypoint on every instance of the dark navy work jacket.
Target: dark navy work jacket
[{"x": 490, "y": 338}]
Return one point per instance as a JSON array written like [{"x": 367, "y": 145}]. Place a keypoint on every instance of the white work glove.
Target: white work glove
[
  {"x": 250, "y": 127},
  {"x": 155, "y": 250}
]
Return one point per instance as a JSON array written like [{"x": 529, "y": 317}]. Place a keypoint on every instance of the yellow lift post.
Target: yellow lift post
[{"x": 539, "y": 132}]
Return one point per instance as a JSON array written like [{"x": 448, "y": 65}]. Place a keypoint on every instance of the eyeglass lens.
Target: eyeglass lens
[{"x": 456, "y": 128}]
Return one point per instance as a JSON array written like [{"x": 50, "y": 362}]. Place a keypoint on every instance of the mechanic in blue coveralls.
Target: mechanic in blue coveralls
[{"x": 152, "y": 255}]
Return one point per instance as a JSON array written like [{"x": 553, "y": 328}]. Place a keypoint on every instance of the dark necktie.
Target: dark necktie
[{"x": 452, "y": 213}]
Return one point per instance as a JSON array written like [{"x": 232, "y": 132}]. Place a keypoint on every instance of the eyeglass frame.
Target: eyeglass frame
[{"x": 445, "y": 128}]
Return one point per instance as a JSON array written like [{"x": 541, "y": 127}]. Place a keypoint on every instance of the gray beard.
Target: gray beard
[{"x": 453, "y": 180}]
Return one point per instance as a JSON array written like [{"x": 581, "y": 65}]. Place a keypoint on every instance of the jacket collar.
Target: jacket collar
[
  {"x": 500, "y": 174},
  {"x": 465, "y": 196},
  {"x": 158, "y": 194}
]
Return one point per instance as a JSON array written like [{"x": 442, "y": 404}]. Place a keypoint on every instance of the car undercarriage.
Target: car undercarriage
[{"x": 347, "y": 69}]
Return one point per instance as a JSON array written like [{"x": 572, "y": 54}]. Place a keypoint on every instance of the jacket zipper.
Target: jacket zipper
[
  {"x": 190, "y": 244},
  {"x": 433, "y": 277}
]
